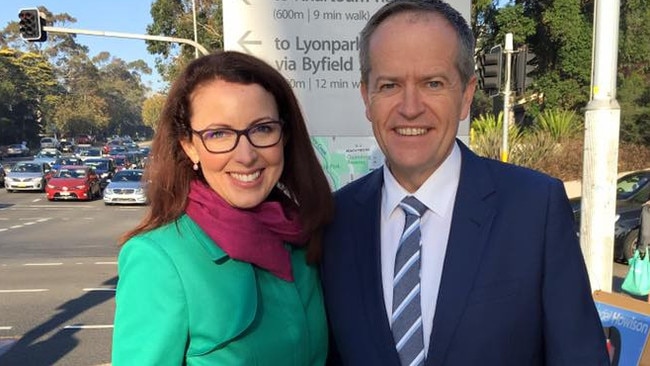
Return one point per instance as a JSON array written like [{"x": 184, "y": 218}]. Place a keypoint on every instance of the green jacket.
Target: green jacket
[{"x": 181, "y": 300}]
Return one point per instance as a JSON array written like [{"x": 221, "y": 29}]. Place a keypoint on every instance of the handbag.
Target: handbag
[{"x": 637, "y": 280}]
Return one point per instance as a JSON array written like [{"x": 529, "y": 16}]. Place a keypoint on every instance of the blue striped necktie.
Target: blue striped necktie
[{"x": 407, "y": 313}]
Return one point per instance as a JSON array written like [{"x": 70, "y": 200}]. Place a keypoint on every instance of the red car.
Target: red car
[{"x": 75, "y": 182}]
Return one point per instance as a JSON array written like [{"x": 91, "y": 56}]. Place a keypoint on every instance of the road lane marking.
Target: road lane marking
[
  {"x": 5, "y": 328},
  {"x": 105, "y": 262},
  {"x": 26, "y": 224},
  {"x": 81, "y": 326},
  {"x": 23, "y": 290},
  {"x": 43, "y": 264}
]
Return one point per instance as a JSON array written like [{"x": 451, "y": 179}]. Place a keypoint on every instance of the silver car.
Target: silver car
[
  {"x": 28, "y": 176},
  {"x": 126, "y": 187}
]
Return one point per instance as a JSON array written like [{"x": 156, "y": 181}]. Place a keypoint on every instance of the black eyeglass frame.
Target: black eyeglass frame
[{"x": 240, "y": 133}]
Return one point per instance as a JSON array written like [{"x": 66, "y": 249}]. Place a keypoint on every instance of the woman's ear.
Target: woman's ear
[{"x": 190, "y": 150}]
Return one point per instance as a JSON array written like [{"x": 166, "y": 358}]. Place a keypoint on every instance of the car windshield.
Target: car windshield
[
  {"x": 127, "y": 176},
  {"x": 26, "y": 168},
  {"x": 629, "y": 185},
  {"x": 65, "y": 161},
  {"x": 71, "y": 173}
]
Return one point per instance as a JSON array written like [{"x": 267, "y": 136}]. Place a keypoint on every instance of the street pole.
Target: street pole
[
  {"x": 196, "y": 51},
  {"x": 506, "y": 97},
  {"x": 600, "y": 155},
  {"x": 148, "y": 37}
]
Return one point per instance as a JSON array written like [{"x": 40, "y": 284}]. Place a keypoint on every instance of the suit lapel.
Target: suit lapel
[
  {"x": 472, "y": 218},
  {"x": 368, "y": 258}
]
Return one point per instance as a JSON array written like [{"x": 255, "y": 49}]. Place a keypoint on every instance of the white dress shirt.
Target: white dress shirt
[{"x": 438, "y": 193}]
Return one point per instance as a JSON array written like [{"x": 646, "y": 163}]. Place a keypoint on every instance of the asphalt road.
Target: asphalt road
[{"x": 57, "y": 279}]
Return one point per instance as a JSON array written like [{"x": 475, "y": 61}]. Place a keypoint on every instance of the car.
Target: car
[
  {"x": 90, "y": 153},
  {"x": 28, "y": 176},
  {"x": 632, "y": 191},
  {"x": 84, "y": 140},
  {"x": 126, "y": 187},
  {"x": 78, "y": 182},
  {"x": 67, "y": 146},
  {"x": 50, "y": 142},
  {"x": 104, "y": 167},
  {"x": 48, "y": 155},
  {"x": 66, "y": 160},
  {"x": 17, "y": 150}
]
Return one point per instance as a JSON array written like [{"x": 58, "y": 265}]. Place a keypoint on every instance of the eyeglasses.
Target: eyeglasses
[{"x": 223, "y": 140}]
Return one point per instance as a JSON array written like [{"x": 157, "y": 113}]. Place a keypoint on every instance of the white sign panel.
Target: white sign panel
[{"x": 315, "y": 45}]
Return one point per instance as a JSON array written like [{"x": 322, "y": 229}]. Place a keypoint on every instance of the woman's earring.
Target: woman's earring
[{"x": 195, "y": 167}]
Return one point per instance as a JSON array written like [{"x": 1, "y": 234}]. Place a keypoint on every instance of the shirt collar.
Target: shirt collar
[{"x": 437, "y": 192}]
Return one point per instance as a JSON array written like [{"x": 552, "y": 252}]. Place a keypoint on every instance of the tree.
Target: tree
[
  {"x": 173, "y": 18},
  {"x": 152, "y": 109}
]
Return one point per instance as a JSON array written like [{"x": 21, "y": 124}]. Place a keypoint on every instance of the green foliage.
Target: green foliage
[
  {"x": 559, "y": 124},
  {"x": 487, "y": 135},
  {"x": 175, "y": 18}
]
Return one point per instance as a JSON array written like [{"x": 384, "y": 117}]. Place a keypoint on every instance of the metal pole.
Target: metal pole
[
  {"x": 196, "y": 51},
  {"x": 506, "y": 98},
  {"x": 600, "y": 159},
  {"x": 127, "y": 35}
]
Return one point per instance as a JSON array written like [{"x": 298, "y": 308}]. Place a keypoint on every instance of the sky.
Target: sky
[{"x": 124, "y": 16}]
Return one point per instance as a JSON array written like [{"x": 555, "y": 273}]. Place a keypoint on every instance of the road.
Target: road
[
  {"x": 58, "y": 276},
  {"x": 57, "y": 279}
]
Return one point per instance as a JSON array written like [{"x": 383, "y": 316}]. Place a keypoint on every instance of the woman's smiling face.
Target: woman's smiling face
[{"x": 245, "y": 176}]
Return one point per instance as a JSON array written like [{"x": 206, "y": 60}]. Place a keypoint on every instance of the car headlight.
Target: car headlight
[
  {"x": 108, "y": 191},
  {"x": 9, "y": 179},
  {"x": 36, "y": 179},
  {"x": 51, "y": 186},
  {"x": 139, "y": 191}
]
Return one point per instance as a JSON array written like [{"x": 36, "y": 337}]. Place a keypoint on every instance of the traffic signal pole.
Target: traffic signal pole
[
  {"x": 190, "y": 42},
  {"x": 506, "y": 97},
  {"x": 600, "y": 159}
]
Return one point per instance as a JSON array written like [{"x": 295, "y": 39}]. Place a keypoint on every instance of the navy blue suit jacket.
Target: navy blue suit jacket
[{"x": 514, "y": 287}]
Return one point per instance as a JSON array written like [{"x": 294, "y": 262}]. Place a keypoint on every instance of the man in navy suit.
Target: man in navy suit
[{"x": 494, "y": 274}]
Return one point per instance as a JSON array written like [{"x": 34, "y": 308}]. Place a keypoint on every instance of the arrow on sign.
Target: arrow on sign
[{"x": 243, "y": 42}]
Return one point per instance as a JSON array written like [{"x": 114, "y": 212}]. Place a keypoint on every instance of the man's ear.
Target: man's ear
[{"x": 366, "y": 99}]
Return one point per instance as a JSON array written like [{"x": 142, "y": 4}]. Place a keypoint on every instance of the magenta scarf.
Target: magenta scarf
[{"x": 255, "y": 235}]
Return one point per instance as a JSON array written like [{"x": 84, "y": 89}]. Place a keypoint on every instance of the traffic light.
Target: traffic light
[
  {"x": 490, "y": 66},
  {"x": 525, "y": 66},
  {"x": 31, "y": 25}
]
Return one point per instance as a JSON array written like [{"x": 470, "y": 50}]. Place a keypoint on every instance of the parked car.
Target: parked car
[
  {"x": 104, "y": 167},
  {"x": 79, "y": 182},
  {"x": 17, "y": 150},
  {"x": 28, "y": 176},
  {"x": 126, "y": 187},
  {"x": 632, "y": 191}
]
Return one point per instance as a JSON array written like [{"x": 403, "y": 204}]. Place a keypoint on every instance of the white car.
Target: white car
[
  {"x": 28, "y": 176},
  {"x": 17, "y": 150},
  {"x": 126, "y": 187}
]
